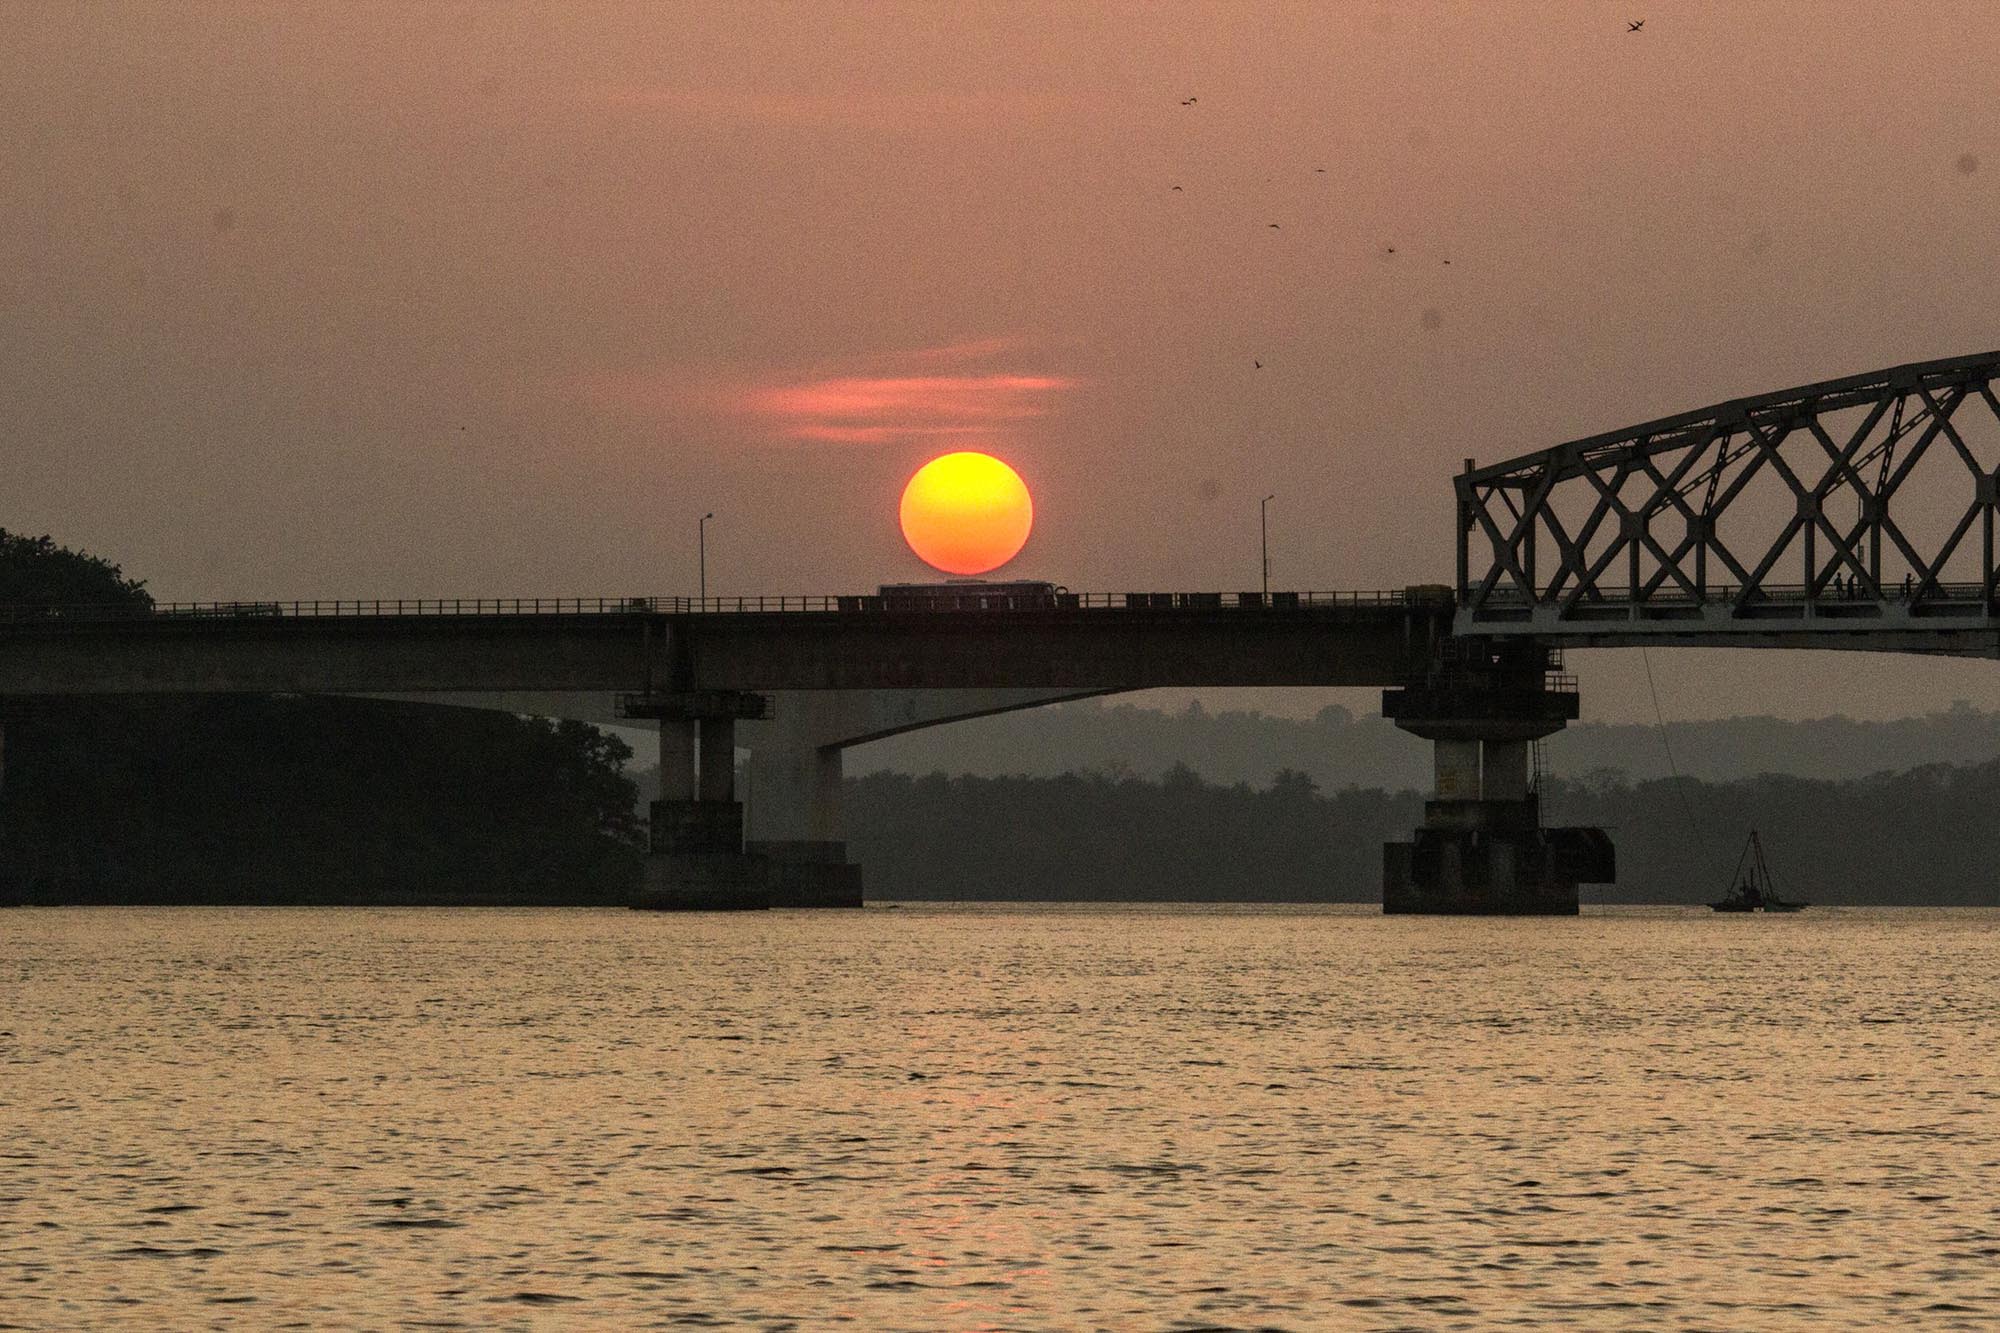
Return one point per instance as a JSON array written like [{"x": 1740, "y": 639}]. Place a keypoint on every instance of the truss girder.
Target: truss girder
[{"x": 1628, "y": 531}]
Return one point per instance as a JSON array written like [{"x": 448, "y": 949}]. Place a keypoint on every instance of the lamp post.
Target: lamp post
[
  {"x": 1264, "y": 539},
  {"x": 701, "y": 547}
]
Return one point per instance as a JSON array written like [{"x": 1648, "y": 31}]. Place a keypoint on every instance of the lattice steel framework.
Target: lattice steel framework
[{"x": 1846, "y": 508}]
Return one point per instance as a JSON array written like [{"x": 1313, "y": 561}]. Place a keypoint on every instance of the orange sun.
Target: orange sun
[{"x": 966, "y": 513}]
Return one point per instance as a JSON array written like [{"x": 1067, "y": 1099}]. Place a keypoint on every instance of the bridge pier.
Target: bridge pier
[
  {"x": 677, "y": 754},
  {"x": 795, "y": 771},
  {"x": 696, "y": 860},
  {"x": 718, "y": 760},
  {"x": 1482, "y": 849},
  {"x": 795, "y": 790}
]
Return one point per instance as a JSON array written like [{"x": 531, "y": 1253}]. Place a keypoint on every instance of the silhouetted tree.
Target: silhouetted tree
[
  {"x": 314, "y": 800},
  {"x": 1288, "y": 784},
  {"x": 34, "y": 571},
  {"x": 229, "y": 798}
]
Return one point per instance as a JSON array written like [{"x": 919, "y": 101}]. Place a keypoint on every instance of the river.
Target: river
[{"x": 970, "y": 1117}]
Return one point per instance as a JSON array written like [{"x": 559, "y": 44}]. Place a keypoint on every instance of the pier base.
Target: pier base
[
  {"x": 703, "y": 882},
  {"x": 696, "y": 861},
  {"x": 1491, "y": 860},
  {"x": 808, "y": 873},
  {"x": 1482, "y": 850}
]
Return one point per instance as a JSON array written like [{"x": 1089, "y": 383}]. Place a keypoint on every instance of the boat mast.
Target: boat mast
[
  {"x": 1736, "y": 875},
  {"x": 1763, "y": 870}
]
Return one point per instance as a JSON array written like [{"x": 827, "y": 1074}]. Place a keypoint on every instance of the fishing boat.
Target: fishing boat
[{"x": 1753, "y": 891}]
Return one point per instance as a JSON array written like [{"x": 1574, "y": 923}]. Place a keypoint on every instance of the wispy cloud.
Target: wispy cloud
[
  {"x": 883, "y": 409},
  {"x": 961, "y": 390}
]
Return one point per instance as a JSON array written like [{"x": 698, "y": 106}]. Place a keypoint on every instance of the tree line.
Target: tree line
[
  {"x": 261, "y": 799},
  {"x": 228, "y": 799},
  {"x": 1910, "y": 837},
  {"x": 1338, "y": 747}
]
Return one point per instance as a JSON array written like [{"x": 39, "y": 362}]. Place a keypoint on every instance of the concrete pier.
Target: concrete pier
[
  {"x": 796, "y": 781},
  {"x": 1482, "y": 849},
  {"x": 794, "y": 777},
  {"x": 696, "y": 860},
  {"x": 803, "y": 872},
  {"x": 677, "y": 759},
  {"x": 718, "y": 760}
]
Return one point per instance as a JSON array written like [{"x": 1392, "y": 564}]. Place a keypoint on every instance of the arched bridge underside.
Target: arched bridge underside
[{"x": 1856, "y": 513}]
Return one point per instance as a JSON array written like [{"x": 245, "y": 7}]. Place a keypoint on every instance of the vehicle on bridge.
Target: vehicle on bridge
[
  {"x": 221, "y": 611},
  {"x": 965, "y": 595}
]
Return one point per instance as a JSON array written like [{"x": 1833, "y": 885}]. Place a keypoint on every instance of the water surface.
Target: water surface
[{"x": 1026, "y": 1118}]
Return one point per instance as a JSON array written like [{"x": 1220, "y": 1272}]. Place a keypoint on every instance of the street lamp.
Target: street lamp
[
  {"x": 1264, "y": 539},
  {"x": 701, "y": 546}
]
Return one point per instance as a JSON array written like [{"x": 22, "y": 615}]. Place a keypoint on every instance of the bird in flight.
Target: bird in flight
[
  {"x": 1178, "y": 189},
  {"x": 1634, "y": 27},
  {"x": 1259, "y": 365},
  {"x": 1190, "y": 101},
  {"x": 1275, "y": 227}
]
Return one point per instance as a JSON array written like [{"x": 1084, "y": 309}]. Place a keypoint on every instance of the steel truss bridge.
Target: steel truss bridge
[{"x": 1854, "y": 513}]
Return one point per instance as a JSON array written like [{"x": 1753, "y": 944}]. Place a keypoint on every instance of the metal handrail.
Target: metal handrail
[
  {"x": 1722, "y": 593},
  {"x": 240, "y": 612}
]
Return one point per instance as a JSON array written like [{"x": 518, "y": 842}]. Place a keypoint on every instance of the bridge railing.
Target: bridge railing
[
  {"x": 1779, "y": 594},
  {"x": 951, "y": 600}
]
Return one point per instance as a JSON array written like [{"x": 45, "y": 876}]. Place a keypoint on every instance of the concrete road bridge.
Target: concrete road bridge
[
  {"x": 1853, "y": 513},
  {"x": 1060, "y": 640},
  {"x": 797, "y": 679}
]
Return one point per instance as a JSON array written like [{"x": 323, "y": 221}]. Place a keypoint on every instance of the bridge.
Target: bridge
[
  {"x": 1857, "y": 513},
  {"x": 1069, "y": 641},
  {"x": 1839, "y": 514}
]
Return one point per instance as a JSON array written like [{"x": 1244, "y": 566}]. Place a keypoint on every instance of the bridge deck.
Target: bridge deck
[
  {"x": 1104, "y": 641},
  {"x": 1946, "y": 619}
]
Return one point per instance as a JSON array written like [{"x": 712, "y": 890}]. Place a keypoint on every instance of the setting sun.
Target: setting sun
[{"x": 966, "y": 513}]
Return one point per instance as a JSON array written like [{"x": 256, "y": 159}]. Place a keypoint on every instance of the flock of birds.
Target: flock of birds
[
  {"x": 1256, "y": 364},
  {"x": 1631, "y": 25}
]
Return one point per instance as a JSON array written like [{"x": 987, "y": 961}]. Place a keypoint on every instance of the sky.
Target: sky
[{"x": 347, "y": 300}]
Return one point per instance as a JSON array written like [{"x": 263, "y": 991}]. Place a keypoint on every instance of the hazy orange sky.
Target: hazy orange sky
[{"x": 350, "y": 300}]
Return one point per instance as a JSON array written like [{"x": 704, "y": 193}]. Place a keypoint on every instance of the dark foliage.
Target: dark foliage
[
  {"x": 1107, "y": 838},
  {"x": 1914, "y": 837},
  {"x": 1918, "y": 836},
  {"x": 1340, "y": 749},
  {"x": 294, "y": 800},
  {"x": 237, "y": 799},
  {"x": 34, "y": 571}
]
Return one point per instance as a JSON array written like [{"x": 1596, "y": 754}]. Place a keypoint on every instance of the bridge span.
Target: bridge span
[
  {"x": 699, "y": 669},
  {"x": 1853, "y": 513},
  {"x": 1856, "y": 513},
  {"x": 641, "y": 644}
]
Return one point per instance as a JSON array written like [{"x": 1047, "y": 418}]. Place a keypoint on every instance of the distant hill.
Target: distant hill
[{"x": 1338, "y": 749}]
